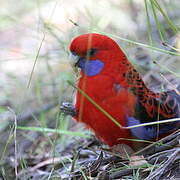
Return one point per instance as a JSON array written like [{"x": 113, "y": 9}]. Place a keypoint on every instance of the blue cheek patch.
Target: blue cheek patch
[
  {"x": 91, "y": 67},
  {"x": 146, "y": 132}
]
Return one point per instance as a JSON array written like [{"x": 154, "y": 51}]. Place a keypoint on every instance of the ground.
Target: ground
[{"x": 37, "y": 141}]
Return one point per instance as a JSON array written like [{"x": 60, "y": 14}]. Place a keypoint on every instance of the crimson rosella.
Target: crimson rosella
[{"x": 112, "y": 82}]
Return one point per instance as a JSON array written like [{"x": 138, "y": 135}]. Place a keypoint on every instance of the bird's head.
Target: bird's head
[{"x": 93, "y": 53}]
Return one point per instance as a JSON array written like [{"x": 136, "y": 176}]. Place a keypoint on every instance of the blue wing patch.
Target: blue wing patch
[{"x": 149, "y": 132}]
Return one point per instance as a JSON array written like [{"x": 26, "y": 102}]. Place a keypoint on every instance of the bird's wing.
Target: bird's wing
[{"x": 166, "y": 106}]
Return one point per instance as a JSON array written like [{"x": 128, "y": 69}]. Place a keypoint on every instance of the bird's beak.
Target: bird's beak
[{"x": 74, "y": 59}]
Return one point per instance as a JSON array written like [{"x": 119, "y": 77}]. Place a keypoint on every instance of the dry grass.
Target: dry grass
[{"x": 33, "y": 81}]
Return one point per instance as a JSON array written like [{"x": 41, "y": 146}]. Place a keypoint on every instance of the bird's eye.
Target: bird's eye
[{"x": 91, "y": 52}]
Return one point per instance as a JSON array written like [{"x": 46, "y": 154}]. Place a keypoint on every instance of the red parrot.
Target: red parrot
[{"x": 114, "y": 84}]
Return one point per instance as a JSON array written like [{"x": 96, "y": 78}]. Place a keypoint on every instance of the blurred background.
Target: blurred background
[{"x": 34, "y": 67}]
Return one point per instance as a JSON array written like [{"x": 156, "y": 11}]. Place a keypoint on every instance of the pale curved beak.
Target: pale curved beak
[{"x": 73, "y": 59}]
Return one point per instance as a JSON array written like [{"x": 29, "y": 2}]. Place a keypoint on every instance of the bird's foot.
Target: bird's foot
[{"x": 68, "y": 108}]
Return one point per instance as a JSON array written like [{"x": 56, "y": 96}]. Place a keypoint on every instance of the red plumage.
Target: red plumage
[
  {"x": 118, "y": 88},
  {"x": 117, "y": 105}
]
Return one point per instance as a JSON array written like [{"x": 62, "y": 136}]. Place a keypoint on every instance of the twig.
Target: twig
[
  {"x": 152, "y": 148},
  {"x": 163, "y": 168},
  {"x": 121, "y": 173},
  {"x": 54, "y": 160},
  {"x": 15, "y": 143}
]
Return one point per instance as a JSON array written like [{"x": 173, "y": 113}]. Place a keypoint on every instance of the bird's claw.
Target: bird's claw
[{"x": 68, "y": 108}]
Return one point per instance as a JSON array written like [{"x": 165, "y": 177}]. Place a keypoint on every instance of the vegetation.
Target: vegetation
[{"x": 37, "y": 141}]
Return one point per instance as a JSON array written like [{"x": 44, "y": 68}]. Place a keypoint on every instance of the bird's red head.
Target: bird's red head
[
  {"x": 86, "y": 43},
  {"x": 102, "y": 51}
]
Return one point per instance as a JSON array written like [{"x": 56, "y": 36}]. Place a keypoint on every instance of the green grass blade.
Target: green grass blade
[
  {"x": 172, "y": 26},
  {"x": 48, "y": 130},
  {"x": 160, "y": 29},
  {"x": 148, "y": 23},
  {"x": 153, "y": 123},
  {"x": 93, "y": 102},
  {"x": 139, "y": 44}
]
